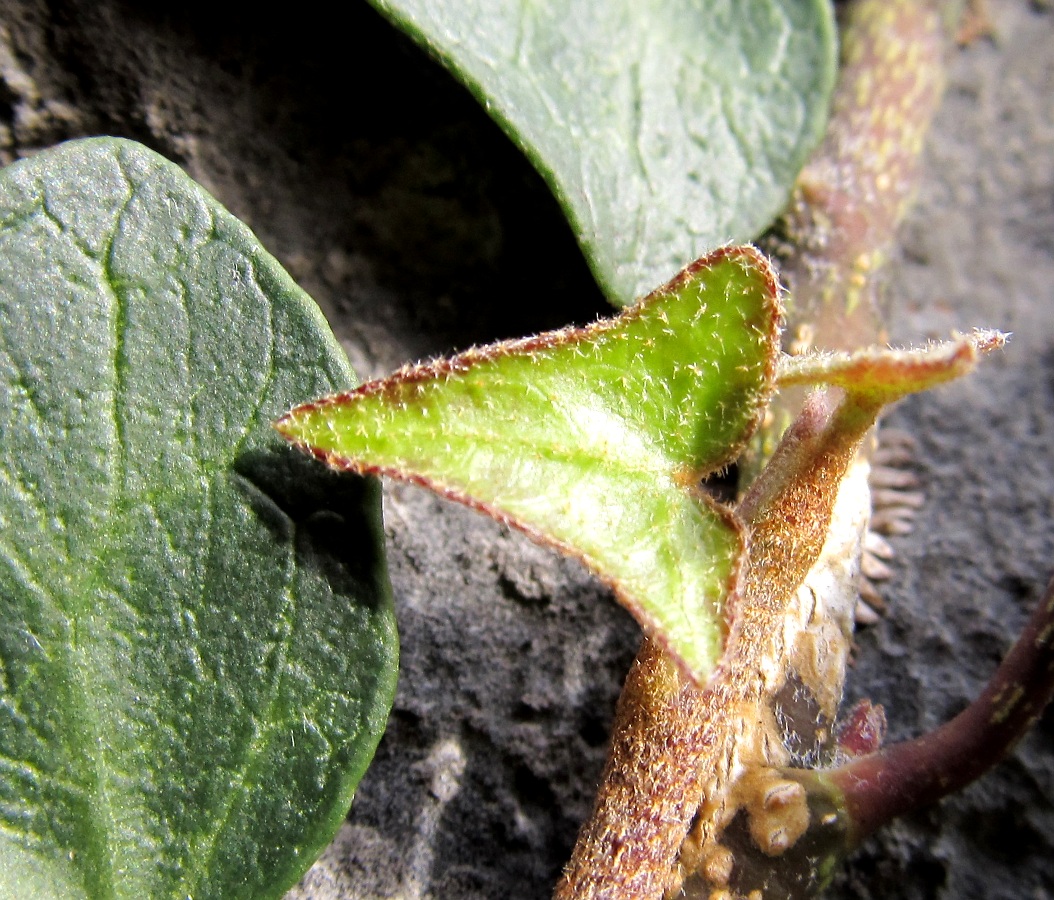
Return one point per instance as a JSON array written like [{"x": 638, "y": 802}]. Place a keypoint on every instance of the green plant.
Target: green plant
[
  {"x": 198, "y": 648},
  {"x": 56, "y": 196}
]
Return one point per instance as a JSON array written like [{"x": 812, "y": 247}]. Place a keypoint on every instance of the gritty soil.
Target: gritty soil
[{"x": 396, "y": 203}]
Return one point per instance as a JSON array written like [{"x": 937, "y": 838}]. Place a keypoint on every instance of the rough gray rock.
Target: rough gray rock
[{"x": 404, "y": 211}]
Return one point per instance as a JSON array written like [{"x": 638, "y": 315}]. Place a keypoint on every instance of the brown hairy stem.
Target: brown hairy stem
[
  {"x": 841, "y": 222},
  {"x": 650, "y": 788},
  {"x": 676, "y": 747}
]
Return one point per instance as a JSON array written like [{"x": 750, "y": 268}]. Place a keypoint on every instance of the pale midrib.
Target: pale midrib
[{"x": 102, "y": 820}]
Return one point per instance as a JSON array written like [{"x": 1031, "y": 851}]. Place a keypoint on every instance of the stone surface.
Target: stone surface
[{"x": 405, "y": 212}]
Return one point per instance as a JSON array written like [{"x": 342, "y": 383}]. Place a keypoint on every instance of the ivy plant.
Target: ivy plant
[{"x": 198, "y": 651}]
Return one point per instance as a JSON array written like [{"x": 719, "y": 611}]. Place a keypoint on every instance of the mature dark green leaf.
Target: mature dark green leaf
[
  {"x": 197, "y": 649},
  {"x": 593, "y": 439},
  {"x": 665, "y": 128}
]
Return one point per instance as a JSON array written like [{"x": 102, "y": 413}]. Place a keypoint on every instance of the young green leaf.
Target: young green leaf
[
  {"x": 665, "y": 129},
  {"x": 592, "y": 439},
  {"x": 197, "y": 648}
]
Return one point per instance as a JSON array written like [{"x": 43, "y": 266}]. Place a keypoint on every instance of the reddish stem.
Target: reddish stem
[{"x": 912, "y": 774}]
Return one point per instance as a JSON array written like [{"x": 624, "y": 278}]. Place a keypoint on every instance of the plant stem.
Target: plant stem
[
  {"x": 852, "y": 195},
  {"x": 912, "y": 774},
  {"x": 839, "y": 227},
  {"x": 676, "y": 747}
]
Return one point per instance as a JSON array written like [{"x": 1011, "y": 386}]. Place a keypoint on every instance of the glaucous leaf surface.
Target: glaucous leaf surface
[
  {"x": 592, "y": 439},
  {"x": 197, "y": 647},
  {"x": 665, "y": 129}
]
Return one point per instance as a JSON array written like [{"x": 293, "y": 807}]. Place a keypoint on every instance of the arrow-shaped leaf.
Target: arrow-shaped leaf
[{"x": 592, "y": 439}]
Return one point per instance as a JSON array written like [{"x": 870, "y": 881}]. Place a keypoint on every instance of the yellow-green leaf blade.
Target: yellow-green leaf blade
[{"x": 592, "y": 439}]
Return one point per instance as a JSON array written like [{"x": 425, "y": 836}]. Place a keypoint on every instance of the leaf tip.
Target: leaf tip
[
  {"x": 284, "y": 425},
  {"x": 747, "y": 256},
  {"x": 291, "y": 425},
  {"x": 985, "y": 340}
]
